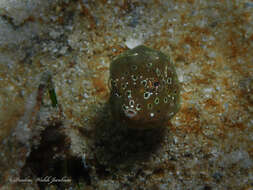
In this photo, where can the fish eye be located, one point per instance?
(156, 100)
(144, 82)
(134, 67)
(156, 84)
(134, 77)
(165, 100)
(113, 82)
(138, 107)
(124, 85)
(150, 106)
(117, 94)
(124, 107)
(149, 64)
(169, 80)
(128, 93)
(131, 103)
(146, 95)
(158, 72)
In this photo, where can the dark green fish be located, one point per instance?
(144, 88)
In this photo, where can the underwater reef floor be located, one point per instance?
(55, 122)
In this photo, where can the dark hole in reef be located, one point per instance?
(119, 147)
(51, 159)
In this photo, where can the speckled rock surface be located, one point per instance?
(208, 144)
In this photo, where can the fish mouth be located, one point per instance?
(134, 117)
(130, 113)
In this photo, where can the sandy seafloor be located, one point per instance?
(208, 145)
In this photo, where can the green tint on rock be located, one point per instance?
(144, 88)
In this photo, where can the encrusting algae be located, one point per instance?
(144, 88)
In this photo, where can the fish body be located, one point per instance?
(144, 88)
